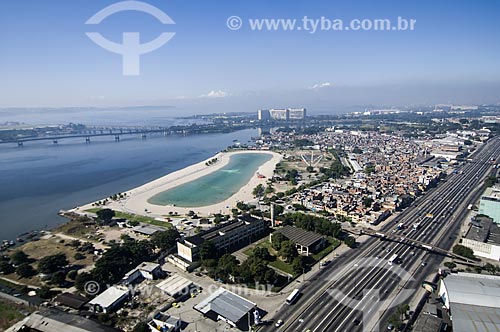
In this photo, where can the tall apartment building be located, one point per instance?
(296, 113)
(263, 115)
(282, 114)
(227, 236)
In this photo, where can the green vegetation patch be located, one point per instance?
(136, 218)
(10, 313)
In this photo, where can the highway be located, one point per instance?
(363, 279)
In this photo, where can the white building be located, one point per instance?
(175, 286)
(279, 114)
(110, 300)
(263, 115)
(296, 113)
(162, 322)
(144, 270)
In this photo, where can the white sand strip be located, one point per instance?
(136, 200)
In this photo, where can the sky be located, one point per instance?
(451, 56)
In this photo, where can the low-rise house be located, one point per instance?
(110, 300)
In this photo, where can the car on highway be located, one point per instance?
(278, 323)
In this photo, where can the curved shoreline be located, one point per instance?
(136, 200)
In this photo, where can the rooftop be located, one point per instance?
(174, 284)
(483, 229)
(300, 236)
(110, 296)
(474, 302)
(492, 193)
(215, 232)
(148, 229)
(53, 320)
(74, 301)
(226, 304)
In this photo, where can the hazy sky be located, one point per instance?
(452, 55)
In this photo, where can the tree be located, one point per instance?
(350, 241)
(44, 292)
(58, 278)
(276, 240)
(309, 169)
(227, 265)
(357, 150)
(72, 274)
(105, 215)
(288, 251)
(208, 250)
(258, 191)
(490, 268)
(367, 202)
(81, 279)
(165, 240)
(141, 327)
(79, 256)
(464, 251)
(19, 257)
(51, 264)
(450, 265)
(6, 268)
(369, 169)
(261, 253)
(270, 276)
(298, 265)
(25, 270)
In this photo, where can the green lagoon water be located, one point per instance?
(215, 187)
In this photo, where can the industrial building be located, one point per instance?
(54, 320)
(483, 237)
(110, 300)
(175, 286)
(472, 301)
(224, 237)
(490, 204)
(226, 306)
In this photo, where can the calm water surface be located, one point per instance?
(40, 179)
(217, 186)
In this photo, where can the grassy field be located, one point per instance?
(277, 263)
(76, 229)
(136, 217)
(333, 243)
(286, 267)
(46, 247)
(10, 313)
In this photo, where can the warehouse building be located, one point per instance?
(472, 301)
(226, 306)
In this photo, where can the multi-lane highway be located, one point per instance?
(357, 289)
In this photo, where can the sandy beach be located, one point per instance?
(136, 200)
